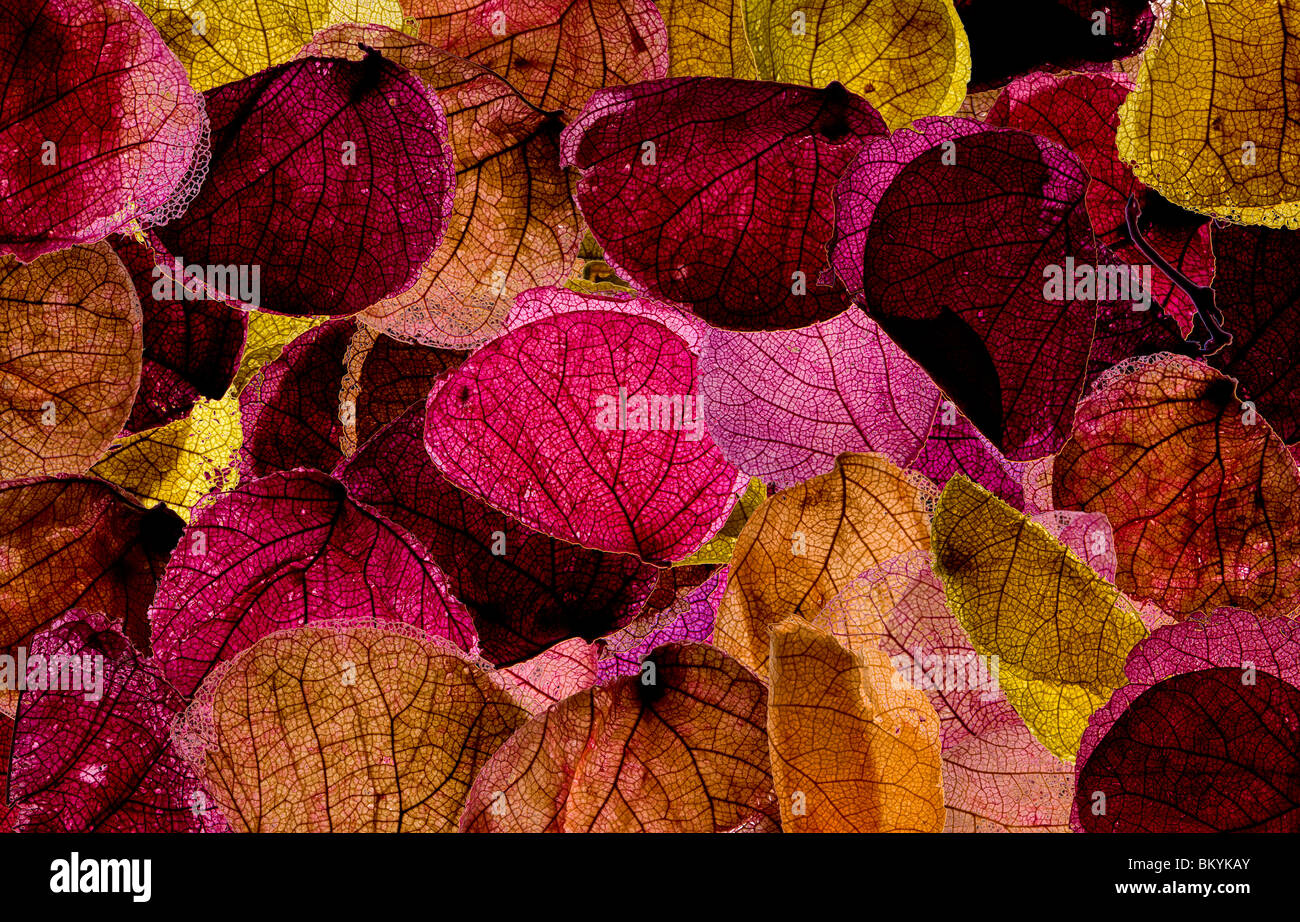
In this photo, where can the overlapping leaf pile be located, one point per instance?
(742, 415)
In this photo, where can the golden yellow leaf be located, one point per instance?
(854, 747)
(221, 41)
(338, 727)
(804, 544)
(908, 58)
(706, 38)
(1211, 125)
(1061, 633)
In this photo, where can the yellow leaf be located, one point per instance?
(221, 41)
(706, 38)
(806, 543)
(1060, 632)
(854, 747)
(338, 727)
(908, 58)
(1211, 125)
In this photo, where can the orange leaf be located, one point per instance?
(854, 747)
(347, 727)
(682, 747)
(804, 544)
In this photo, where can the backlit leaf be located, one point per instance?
(1203, 497)
(1208, 125)
(99, 127)
(908, 58)
(1061, 633)
(706, 38)
(806, 543)
(854, 749)
(71, 350)
(681, 747)
(716, 193)
(347, 728)
(285, 550)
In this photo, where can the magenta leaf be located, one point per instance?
(716, 193)
(526, 590)
(952, 234)
(99, 126)
(286, 550)
(689, 619)
(586, 426)
(290, 409)
(540, 303)
(782, 405)
(94, 753)
(191, 347)
(330, 185)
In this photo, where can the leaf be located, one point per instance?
(347, 728)
(955, 446)
(1207, 125)
(542, 303)
(951, 232)
(290, 413)
(289, 549)
(706, 38)
(1199, 752)
(687, 619)
(531, 425)
(394, 377)
(96, 754)
(1060, 631)
(804, 545)
(77, 542)
(70, 359)
(98, 126)
(685, 753)
(728, 213)
(1081, 112)
(908, 58)
(525, 589)
(212, 37)
(1260, 301)
(552, 675)
(853, 748)
(1205, 506)
(514, 224)
(783, 405)
(555, 52)
(996, 776)
(1065, 34)
(191, 348)
(1229, 641)
(330, 185)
